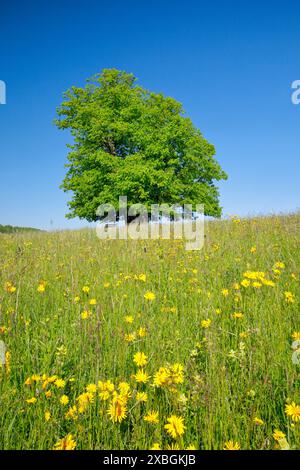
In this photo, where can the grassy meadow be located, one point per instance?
(144, 345)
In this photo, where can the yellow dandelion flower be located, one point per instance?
(105, 389)
(296, 335)
(156, 446)
(117, 410)
(84, 400)
(230, 445)
(142, 332)
(258, 421)
(151, 417)
(36, 378)
(141, 376)
(289, 297)
(254, 275)
(31, 401)
(279, 265)
(85, 314)
(72, 413)
(52, 378)
(41, 288)
(238, 315)
(124, 389)
(149, 296)
(10, 288)
(244, 334)
(140, 359)
(130, 337)
(293, 411)
(173, 446)
(66, 443)
(169, 376)
(175, 426)
(91, 388)
(47, 415)
(60, 383)
(129, 319)
(64, 399)
(206, 323)
(268, 282)
(256, 284)
(278, 435)
(142, 397)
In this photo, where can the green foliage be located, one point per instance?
(12, 229)
(135, 143)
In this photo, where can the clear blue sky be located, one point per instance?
(231, 64)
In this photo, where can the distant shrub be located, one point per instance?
(12, 229)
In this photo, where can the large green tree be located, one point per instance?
(135, 143)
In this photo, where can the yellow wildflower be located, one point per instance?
(175, 426)
(142, 332)
(31, 401)
(106, 388)
(64, 400)
(156, 446)
(258, 421)
(149, 296)
(230, 445)
(141, 376)
(151, 417)
(278, 435)
(142, 397)
(66, 443)
(140, 359)
(91, 388)
(289, 297)
(206, 323)
(129, 319)
(60, 383)
(293, 411)
(117, 410)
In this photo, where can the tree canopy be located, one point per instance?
(131, 142)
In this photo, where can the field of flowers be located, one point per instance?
(144, 345)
